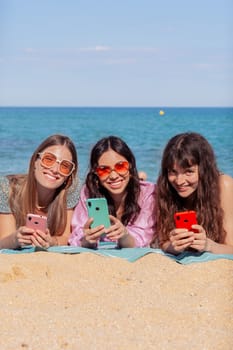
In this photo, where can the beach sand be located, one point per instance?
(85, 301)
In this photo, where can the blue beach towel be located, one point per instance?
(129, 254)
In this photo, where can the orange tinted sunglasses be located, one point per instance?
(48, 159)
(120, 168)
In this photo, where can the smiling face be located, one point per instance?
(51, 178)
(184, 181)
(115, 183)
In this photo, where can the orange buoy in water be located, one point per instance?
(161, 112)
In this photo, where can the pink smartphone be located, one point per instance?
(185, 219)
(37, 222)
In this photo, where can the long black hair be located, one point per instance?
(185, 150)
(95, 189)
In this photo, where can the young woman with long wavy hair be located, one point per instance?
(50, 188)
(190, 180)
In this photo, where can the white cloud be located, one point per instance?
(97, 48)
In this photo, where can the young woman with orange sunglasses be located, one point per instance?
(114, 176)
(50, 189)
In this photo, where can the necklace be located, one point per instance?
(42, 208)
(39, 207)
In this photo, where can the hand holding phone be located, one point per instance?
(185, 219)
(98, 209)
(36, 222)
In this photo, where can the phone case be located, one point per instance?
(98, 209)
(185, 219)
(37, 222)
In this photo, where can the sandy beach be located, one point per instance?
(85, 301)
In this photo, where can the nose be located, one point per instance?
(180, 179)
(55, 167)
(113, 173)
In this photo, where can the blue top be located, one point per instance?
(72, 195)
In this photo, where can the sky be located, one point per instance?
(116, 53)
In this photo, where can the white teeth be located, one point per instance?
(115, 184)
(51, 176)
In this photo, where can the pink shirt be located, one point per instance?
(143, 227)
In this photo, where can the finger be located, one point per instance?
(41, 234)
(182, 242)
(88, 223)
(116, 234)
(39, 241)
(199, 245)
(92, 237)
(183, 235)
(113, 219)
(35, 242)
(24, 241)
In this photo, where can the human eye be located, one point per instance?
(103, 170)
(49, 158)
(66, 164)
(171, 172)
(190, 171)
(122, 165)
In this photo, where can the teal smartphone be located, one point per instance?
(98, 210)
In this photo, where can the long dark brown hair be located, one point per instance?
(186, 150)
(23, 189)
(95, 189)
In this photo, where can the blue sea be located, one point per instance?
(144, 129)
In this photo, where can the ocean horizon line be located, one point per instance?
(115, 107)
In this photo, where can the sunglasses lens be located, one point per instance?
(121, 167)
(103, 171)
(48, 159)
(66, 167)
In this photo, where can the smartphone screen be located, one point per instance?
(37, 222)
(185, 219)
(98, 209)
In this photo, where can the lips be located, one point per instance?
(115, 184)
(52, 177)
(181, 189)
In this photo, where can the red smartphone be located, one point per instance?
(37, 222)
(185, 219)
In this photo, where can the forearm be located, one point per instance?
(218, 248)
(9, 242)
(211, 247)
(127, 241)
(168, 248)
(87, 244)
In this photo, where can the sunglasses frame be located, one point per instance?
(112, 169)
(40, 154)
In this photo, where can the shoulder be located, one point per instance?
(73, 193)
(84, 193)
(226, 190)
(4, 182)
(147, 191)
(226, 182)
(147, 187)
(4, 194)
